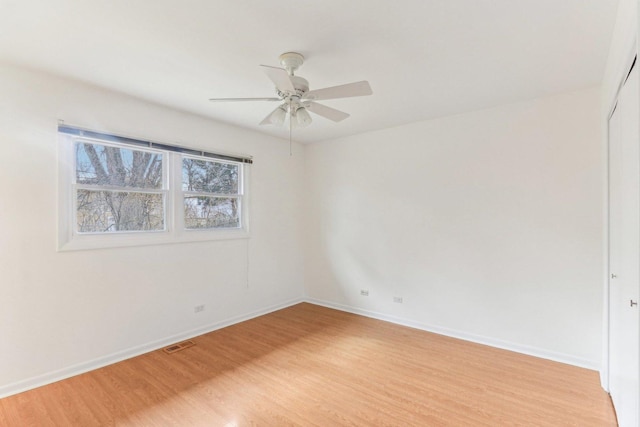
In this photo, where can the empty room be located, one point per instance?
(271, 213)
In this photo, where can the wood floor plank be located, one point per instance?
(312, 366)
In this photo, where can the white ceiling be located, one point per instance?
(423, 58)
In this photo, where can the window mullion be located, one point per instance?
(174, 181)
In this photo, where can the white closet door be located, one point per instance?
(624, 253)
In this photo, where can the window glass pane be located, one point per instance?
(122, 167)
(211, 212)
(113, 211)
(209, 177)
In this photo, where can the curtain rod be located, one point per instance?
(72, 130)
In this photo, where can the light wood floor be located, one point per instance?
(308, 365)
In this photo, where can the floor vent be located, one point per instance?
(180, 346)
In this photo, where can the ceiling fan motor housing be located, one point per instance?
(301, 85)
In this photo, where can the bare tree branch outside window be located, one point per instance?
(121, 189)
(212, 194)
(118, 207)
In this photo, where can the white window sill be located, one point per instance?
(92, 241)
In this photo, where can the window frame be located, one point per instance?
(164, 190)
(175, 231)
(239, 196)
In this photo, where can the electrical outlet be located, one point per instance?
(397, 299)
(364, 292)
(198, 308)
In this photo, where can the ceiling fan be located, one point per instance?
(296, 100)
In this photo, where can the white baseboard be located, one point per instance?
(50, 377)
(493, 342)
(80, 368)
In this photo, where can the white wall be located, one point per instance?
(71, 311)
(488, 224)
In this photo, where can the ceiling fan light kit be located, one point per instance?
(278, 116)
(295, 97)
(302, 117)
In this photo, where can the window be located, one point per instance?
(211, 192)
(117, 191)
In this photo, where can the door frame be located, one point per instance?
(624, 73)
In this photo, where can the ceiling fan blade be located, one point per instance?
(242, 99)
(276, 117)
(343, 91)
(327, 112)
(280, 78)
